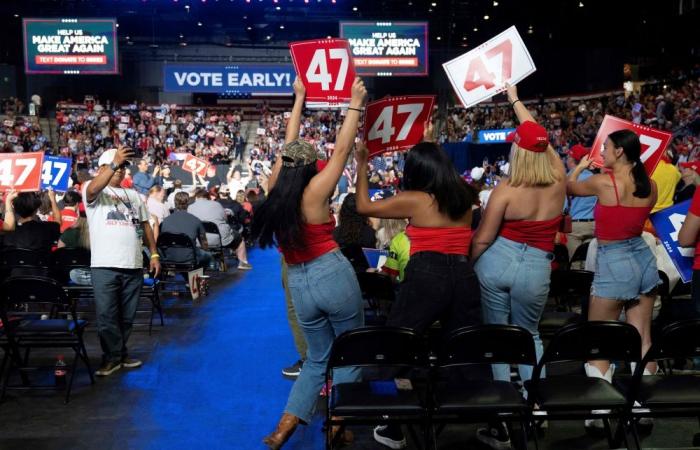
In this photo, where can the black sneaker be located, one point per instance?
(108, 368)
(131, 363)
(294, 370)
(495, 437)
(390, 435)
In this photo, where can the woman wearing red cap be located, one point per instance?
(514, 242)
(626, 274)
(689, 180)
(324, 289)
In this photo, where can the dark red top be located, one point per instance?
(318, 240)
(446, 240)
(695, 209)
(619, 222)
(535, 233)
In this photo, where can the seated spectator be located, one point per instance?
(399, 254)
(182, 222)
(353, 228)
(70, 213)
(128, 181)
(31, 233)
(247, 206)
(388, 229)
(177, 187)
(78, 236)
(49, 210)
(234, 210)
(208, 210)
(155, 204)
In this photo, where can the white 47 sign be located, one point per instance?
(483, 72)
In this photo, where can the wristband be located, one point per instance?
(155, 256)
(516, 101)
(360, 110)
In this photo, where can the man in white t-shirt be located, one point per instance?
(118, 223)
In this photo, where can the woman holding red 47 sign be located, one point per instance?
(325, 293)
(439, 282)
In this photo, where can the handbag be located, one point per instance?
(566, 226)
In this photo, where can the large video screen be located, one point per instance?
(254, 79)
(388, 48)
(70, 46)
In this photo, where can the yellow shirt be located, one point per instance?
(666, 176)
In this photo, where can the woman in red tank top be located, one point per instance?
(626, 274)
(322, 283)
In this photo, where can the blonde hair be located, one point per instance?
(391, 228)
(530, 169)
(84, 232)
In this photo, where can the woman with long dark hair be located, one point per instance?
(325, 293)
(626, 275)
(439, 282)
(353, 229)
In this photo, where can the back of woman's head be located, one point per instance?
(531, 169)
(628, 141)
(279, 219)
(350, 221)
(428, 169)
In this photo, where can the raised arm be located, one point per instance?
(55, 211)
(9, 223)
(102, 179)
(292, 130)
(323, 184)
(688, 235)
(586, 188)
(518, 106)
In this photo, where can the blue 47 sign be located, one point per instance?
(668, 223)
(55, 173)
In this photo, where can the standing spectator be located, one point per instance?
(155, 204)
(208, 210)
(70, 211)
(118, 223)
(689, 180)
(238, 146)
(143, 181)
(580, 208)
(235, 181)
(689, 236)
(666, 176)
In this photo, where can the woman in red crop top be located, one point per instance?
(514, 242)
(322, 283)
(439, 281)
(626, 275)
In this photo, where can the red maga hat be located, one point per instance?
(530, 136)
(695, 165)
(578, 151)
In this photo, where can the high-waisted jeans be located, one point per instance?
(514, 280)
(328, 302)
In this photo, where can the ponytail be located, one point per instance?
(628, 141)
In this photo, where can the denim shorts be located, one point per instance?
(625, 270)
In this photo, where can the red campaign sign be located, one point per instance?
(654, 142)
(396, 123)
(326, 68)
(196, 165)
(20, 171)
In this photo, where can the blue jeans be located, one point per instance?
(514, 279)
(117, 293)
(328, 302)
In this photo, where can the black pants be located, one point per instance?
(693, 311)
(437, 287)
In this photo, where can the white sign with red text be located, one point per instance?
(196, 165)
(654, 142)
(20, 171)
(326, 68)
(396, 123)
(483, 72)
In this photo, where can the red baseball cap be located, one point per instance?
(578, 151)
(695, 165)
(530, 136)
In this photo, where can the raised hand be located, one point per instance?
(299, 89)
(359, 92)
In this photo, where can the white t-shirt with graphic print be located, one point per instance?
(115, 240)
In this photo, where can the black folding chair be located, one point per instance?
(217, 251)
(150, 291)
(561, 256)
(356, 256)
(569, 288)
(580, 254)
(28, 333)
(66, 259)
(184, 263)
(668, 394)
(22, 261)
(376, 401)
(378, 290)
(566, 397)
(483, 399)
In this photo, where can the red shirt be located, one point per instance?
(318, 240)
(68, 218)
(445, 240)
(695, 209)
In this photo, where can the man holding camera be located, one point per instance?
(118, 223)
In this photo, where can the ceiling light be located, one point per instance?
(278, 8)
(495, 3)
(16, 15)
(433, 4)
(116, 25)
(127, 38)
(580, 4)
(281, 27)
(464, 38)
(486, 17)
(439, 38)
(182, 35)
(249, 28)
(430, 9)
(187, 7)
(354, 8)
(329, 37)
(476, 29)
(199, 24)
(530, 31)
(268, 37)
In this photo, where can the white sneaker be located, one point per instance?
(495, 437)
(392, 436)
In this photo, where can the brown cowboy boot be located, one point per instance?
(285, 428)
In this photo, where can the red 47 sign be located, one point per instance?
(325, 67)
(483, 72)
(193, 164)
(20, 171)
(396, 123)
(654, 142)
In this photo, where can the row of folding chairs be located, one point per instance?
(434, 401)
